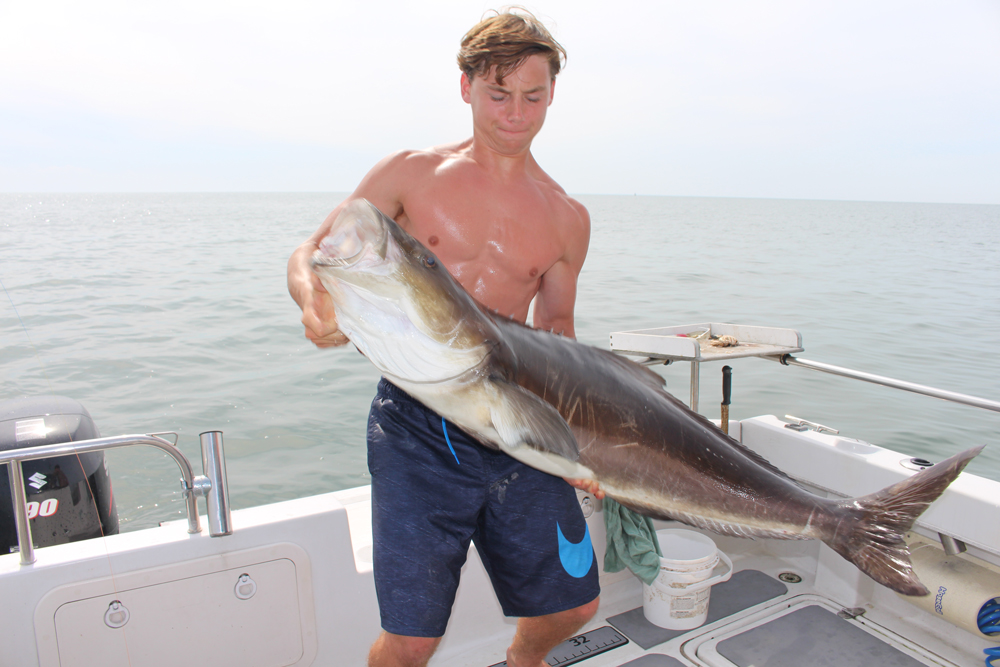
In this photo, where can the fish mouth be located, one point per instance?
(356, 234)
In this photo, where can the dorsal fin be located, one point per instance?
(640, 373)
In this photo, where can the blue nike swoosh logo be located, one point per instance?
(576, 558)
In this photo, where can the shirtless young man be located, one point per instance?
(508, 233)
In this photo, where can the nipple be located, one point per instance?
(433, 240)
(533, 272)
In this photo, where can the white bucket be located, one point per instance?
(678, 598)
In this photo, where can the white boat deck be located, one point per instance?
(919, 638)
(314, 601)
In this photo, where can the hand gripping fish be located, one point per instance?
(575, 411)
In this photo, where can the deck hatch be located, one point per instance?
(203, 607)
(811, 636)
(176, 618)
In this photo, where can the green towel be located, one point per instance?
(632, 542)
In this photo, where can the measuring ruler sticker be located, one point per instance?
(581, 647)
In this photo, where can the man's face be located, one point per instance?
(508, 116)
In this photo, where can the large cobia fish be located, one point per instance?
(576, 411)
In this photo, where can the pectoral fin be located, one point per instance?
(533, 432)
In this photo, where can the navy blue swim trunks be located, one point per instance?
(434, 489)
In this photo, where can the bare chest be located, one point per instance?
(498, 247)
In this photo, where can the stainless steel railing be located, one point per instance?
(954, 397)
(213, 485)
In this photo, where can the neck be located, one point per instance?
(498, 162)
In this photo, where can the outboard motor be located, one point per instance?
(69, 497)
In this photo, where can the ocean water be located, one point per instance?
(169, 312)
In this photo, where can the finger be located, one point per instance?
(335, 338)
(317, 327)
(590, 486)
(319, 316)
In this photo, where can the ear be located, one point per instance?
(466, 86)
(552, 91)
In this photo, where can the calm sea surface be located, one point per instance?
(169, 312)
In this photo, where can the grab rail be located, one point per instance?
(954, 397)
(192, 486)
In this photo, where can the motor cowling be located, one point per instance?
(69, 497)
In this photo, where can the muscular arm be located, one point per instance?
(556, 298)
(318, 314)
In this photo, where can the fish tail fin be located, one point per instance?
(876, 524)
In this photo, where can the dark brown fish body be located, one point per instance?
(659, 457)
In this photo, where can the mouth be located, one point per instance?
(354, 235)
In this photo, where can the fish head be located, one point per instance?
(396, 301)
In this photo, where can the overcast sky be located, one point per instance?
(861, 100)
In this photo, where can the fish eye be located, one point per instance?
(430, 261)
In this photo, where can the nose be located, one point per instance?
(515, 112)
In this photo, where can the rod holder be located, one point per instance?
(16, 475)
(213, 460)
(695, 384)
(951, 545)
